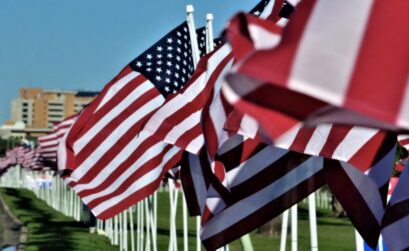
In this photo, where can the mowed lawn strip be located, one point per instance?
(49, 230)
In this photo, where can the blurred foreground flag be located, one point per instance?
(112, 164)
(395, 223)
(350, 70)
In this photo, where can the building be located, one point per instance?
(38, 108)
(20, 132)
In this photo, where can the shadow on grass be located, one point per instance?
(324, 218)
(47, 229)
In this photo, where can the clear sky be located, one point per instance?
(82, 44)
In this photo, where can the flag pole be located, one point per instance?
(192, 33)
(313, 222)
(284, 230)
(209, 32)
(196, 56)
(294, 218)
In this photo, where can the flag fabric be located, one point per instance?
(34, 161)
(396, 220)
(209, 184)
(48, 144)
(179, 120)
(354, 71)
(111, 164)
(404, 141)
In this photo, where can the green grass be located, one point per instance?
(48, 229)
(334, 234)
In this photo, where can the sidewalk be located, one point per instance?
(9, 229)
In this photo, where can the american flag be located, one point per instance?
(179, 120)
(404, 141)
(396, 220)
(112, 163)
(354, 71)
(48, 144)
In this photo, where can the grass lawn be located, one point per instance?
(334, 234)
(48, 229)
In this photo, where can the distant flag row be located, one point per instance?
(295, 97)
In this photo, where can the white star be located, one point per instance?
(178, 41)
(159, 69)
(178, 49)
(168, 63)
(177, 58)
(148, 69)
(149, 56)
(177, 67)
(138, 63)
(185, 37)
(174, 91)
(257, 13)
(184, 29)
(184, 62)
(176, 75)
(175, 84)
(159, 48)
(159, 56)
(148, 63)
(178, 33)
(169, 40)
(158, 78)
(185, 45)
(167, 80)
(184, 71)
(168, 72)
(183, 79)
(185, 54)
(159, 62)
(167, 88)
(170, 48)
(170, 55)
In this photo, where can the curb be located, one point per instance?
(23, 230)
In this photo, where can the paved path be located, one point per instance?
(9, 230)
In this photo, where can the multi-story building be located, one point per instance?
(39, 108)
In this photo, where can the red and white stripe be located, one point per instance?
(48, 144)
(325, 58)
(195, 116)
(404, 141)
(112, 163)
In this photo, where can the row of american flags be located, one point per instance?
(296, 95)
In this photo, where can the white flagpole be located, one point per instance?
(185, 226)
(313, 222)
(125, 232)
(284, 230)
(294, 231)
(209, 33)
(359, 242)
(132, 229)
(192, 33)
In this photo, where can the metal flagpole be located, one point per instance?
(284, 230)
(132, 229)
(313, 222)
(359, 242)
(209, 33)
(196, 56)
(192, 33)
(185, 226)
(294, 217)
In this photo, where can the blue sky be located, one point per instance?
(82, 44)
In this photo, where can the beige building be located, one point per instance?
(38, 108)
